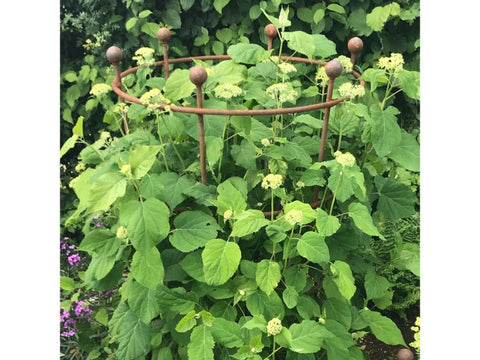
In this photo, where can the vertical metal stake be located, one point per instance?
(164, 35)
(114, 55)
(270, 31)
(198, 76)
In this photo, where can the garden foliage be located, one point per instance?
(155, 263)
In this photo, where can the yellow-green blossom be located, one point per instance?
(272, 181)
(321, 77)
(346, 63)
(417, 321)
(281, 93)
(227, 214)
(101, 89)
(227, 91)
(72, 183)
(346, 159)
(392, 64)
(265, 142)
(144, 56)
(293, 217)
(300, 184)
(105, 135)
(274, 326)
(321, 320)
(350, 91)
(122, 232)
(80, 167)
(153, 98)
(287, 68)
(121, 108)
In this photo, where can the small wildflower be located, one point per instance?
(321, 77)
(153, 99)
(101, 89)
(121, 108)
(272, 181)
(346, 159)
(321, 320)
(287, 68)
(346, 63)
(241, 292)
(227, 91)
(392, 64)
(265, 142)
(293, 217)
(105, 135)
(253, 350)
(80, 167)
(300, 184)
(227, 214)
(144, 56)
(99, 225)
(274, 326)
(122, 232)
(281, 93)
(350, 91)
(74, 259)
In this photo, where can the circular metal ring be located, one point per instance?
(203, 111)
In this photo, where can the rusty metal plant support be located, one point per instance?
(198, 76)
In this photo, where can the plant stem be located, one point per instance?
(271, 206)
(163, 145)
(286, 250)
(221, 155)
(335, 192)
(273, 352)
(173, 143)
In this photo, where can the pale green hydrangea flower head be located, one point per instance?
(294, 217)
(287, 68)
(350, 91)
(144, 56)
(153, 98)
(274, 326)
(392, 64)
(227, 91)
(346, 63)
(321, 77)
(101, 89)
(272, 181)
(345, 159)
(282, 93)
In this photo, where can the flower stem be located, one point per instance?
(271, 206)
(335, 193)
(287, 249)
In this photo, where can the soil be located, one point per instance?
(377, 350)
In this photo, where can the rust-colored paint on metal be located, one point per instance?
(164, 35)
(355, 45)
(270, 31)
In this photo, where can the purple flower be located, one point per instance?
(99, 224)
(71, 247)
(95, 218)
(68, 333)
(74, 259)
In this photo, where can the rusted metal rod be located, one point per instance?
(164, 35)
(270, 31)
(355, 45)
(198, 76)
(115, 55)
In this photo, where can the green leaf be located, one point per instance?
(102, 316)
(323, 46)
(173, 188)
(143, 14)
(326, 224)
(308, 214)
(290, 297)
(187, 322)
(336, 8)
(338, 309)
(408, 259)
(268, 275)
(249, 222)
(172, 18)
(131, 23)
(312, 247)
(105, 190)
(375, 76)
(248, 53)
(386, 134)
(362, 219)
(318, 15)
(192, 230)
(143, 302)
(220, 4)
(201, 344)
(147, 222)
(308, 336)
(260, 303)
(407, 152)
(151, 186)
(309, 120)
(396, 200)
(244, 155)
(147, 268)
(228, 71)
(70, 76)
(256, 322)
(296, 277)
(187, 4)
(375, 286)
(68, 144)
(227, 333)
(100, 241)
(100, 266)
(224, 35)
(305, 14)
(150, 28)
(307, 307)
(301, 42)
(78, 128)
(192, 264)
(72, 94)
(378, 17)
(220, 261)
(230, 198)
(343, 278)
(176, 299)
(178, 85)
(133, 337)
(142, 159)
(67, 283)
(410, 83)
(383, 328)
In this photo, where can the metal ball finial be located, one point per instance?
(114, 54)
(270, 30)
(355, 45)
(163, 34)
(333, 69)
(405, 354)
(198, 75)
